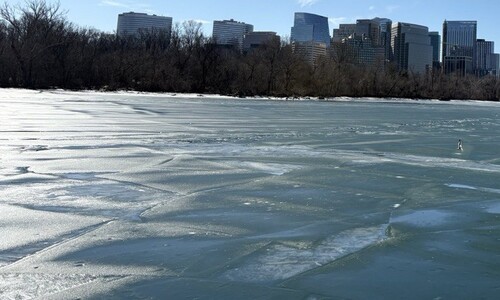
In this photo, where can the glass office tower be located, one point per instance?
(459, 38)
(310, 28)
(436, 48)
(412, 47)
(459, 46)
(485, 57)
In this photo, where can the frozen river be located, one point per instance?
(150, 196)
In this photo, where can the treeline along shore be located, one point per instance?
(41, 49)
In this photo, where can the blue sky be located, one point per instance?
(277, 15)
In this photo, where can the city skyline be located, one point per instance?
(278, 15)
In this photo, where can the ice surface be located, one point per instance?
(131, 195)
(424, 218)
(31, 286)
(283, 261)
(494, 208)
(94, 196)
(25, 231)
(480, 188)
(461, 186)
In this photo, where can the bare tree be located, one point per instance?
(3, 35)
(32, 31)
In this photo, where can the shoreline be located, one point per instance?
(257, 98)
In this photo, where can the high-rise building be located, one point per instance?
(459, 46)
(133, 23)
(360, 50)
(231, 33)
(310, 28)
(412, 47)
(256, 39)
(459, 65)
(385, 26)
(436, 48)
(495, 64)
(485, 57)
(311, 51)
(344, 31)
(369, 29)
(363, 40)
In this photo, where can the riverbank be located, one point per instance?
(233, 97)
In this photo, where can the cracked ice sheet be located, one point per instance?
(25, 231)
(128, 248)
(80, 156)
(29, 286)
(117, 254)
(281, 261)
(43, 274)
(85, 195)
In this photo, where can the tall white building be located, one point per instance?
(231, 33)
(132, 23)
(412, 47)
